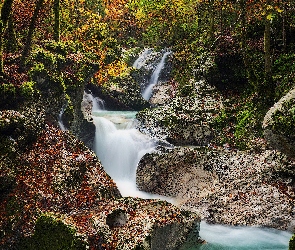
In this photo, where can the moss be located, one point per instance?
(7, 93)
(292, 243)
(284, 119)
(52, 234)
(27, 89)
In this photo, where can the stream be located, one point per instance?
(120, 146)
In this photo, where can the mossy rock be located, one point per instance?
(292, 243)
(52, 234)
(279, 124)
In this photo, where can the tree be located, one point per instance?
(5, 15)
(56, 9)
(267, 40)
(28, 44)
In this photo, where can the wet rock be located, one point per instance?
(225, 187)
(117, 218)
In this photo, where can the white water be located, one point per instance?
(60, 121)
(147, 93)
(120, 146)
(140, 61)
(242, 238)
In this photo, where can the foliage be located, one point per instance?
(284, 74)
(28, 89)
(292, 242)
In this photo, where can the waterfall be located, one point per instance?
(140, 61)
(155, 76)
(120, 146)
(60, 121)
(96, 103)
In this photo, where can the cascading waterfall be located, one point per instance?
(60, 121)
(147, 93)
(140, 61)
(120, 146)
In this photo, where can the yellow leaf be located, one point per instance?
(269, 17)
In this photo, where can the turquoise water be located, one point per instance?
(125, 114)
(220, 237)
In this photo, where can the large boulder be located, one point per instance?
(279, 124)
(226, 187)
(57, 192)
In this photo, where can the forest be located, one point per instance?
(50, 50)
(251, 44)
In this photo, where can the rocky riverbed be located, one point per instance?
(224, 187)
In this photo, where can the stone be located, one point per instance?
(279, 126)
(224, 186)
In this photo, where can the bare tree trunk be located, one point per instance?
(5, 14)
(211, 21)
(32, 27)
(12, 44)
(56, 9)
(284, 29)
(267, 44)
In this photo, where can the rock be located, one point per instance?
(223, 186)
(57, 189)
(279, 126)
(184, 120)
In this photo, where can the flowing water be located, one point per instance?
(141, 60)
(120, 146)
(242, 238)
(60, 120)
(147, 93)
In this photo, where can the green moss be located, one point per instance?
(27, 89)
(52, 234)
(284, 119)
(45, 57)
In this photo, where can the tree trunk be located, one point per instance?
(267, 49)
(5, 14)
(32, 26)
(56, 9)
(211, 21)
(284, 35)
(243, 37)
(12, 44)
